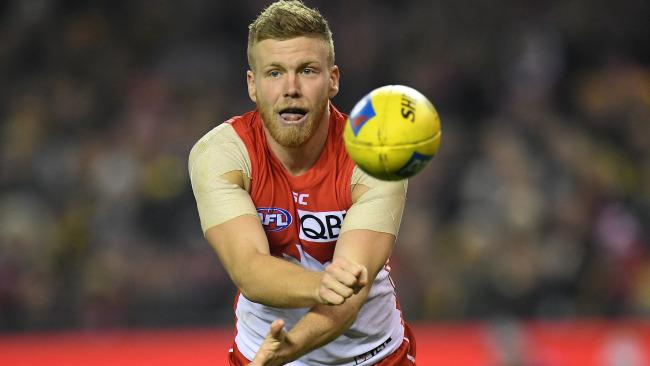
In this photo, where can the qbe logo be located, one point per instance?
(320, 226)
(274, 218)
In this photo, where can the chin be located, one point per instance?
(292, 138)
(292, 135)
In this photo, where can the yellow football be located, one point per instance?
(392, 132)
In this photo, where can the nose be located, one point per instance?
(292, 86)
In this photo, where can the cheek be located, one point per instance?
(328, 92)
(266, 94)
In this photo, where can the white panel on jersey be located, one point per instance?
(320, 227)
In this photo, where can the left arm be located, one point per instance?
(366, 242)
(323, 323)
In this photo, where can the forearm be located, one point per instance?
(323, 324)
(243, 249)
(340, 281)
(278, 283)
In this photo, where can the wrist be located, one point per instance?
(316, 290)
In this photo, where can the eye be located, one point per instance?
(308, 71)
(274, 73)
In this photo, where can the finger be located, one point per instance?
(363, 277)
(345, 271)
(330, 297)
(360, 272)
(336, 286)
(257, 361)
(277, 330)
(346, 264)
(343, 276)
(268, 348)
(337, 279)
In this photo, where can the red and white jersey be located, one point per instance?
(303, 217)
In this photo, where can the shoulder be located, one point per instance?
(228, 132)
(361, 182)
(220, 150)
(223, 134)
(378, 205)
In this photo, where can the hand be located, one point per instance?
(275, 349)
(341, 279)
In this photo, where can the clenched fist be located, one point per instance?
(341, 279)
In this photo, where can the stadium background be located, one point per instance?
(526, 241)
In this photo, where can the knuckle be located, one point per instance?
(326, 280)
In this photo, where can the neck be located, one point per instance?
(297, 160)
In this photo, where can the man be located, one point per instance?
(303, 233)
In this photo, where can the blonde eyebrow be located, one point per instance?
(302, 65)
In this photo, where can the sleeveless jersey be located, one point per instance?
(302, 217)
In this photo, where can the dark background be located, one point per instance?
(537, 206)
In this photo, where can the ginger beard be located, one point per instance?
(292, 135)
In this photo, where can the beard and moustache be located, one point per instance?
(292, 136)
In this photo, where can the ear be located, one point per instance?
(335, 74)
(250, 82)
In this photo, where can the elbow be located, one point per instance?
(245, 278)
(245, 287)
(249, 293)
(251, 287)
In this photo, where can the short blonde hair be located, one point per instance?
(286, 19)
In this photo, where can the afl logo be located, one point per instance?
(273, 218)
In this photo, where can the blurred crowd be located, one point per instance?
(537, 205)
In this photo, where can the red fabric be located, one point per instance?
(401, 355)
(235, 358)
(325, 187)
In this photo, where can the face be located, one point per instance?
(291, 83)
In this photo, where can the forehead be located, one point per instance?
(290, 52)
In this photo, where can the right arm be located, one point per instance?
(241, 246)
(231, 226)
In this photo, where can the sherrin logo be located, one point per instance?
(274, 218)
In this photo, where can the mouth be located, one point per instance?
(293, 115)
